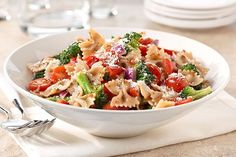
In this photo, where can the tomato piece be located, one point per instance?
(176, 83)
(133, 92)
(40, 84)
(169, 52)
(155, 71)
(59, 73)
(145, 41)
(143, 49)
(187, 100)
(109, 107)
(168, 66)
(90, 60)
(108, 93)
(62, 101)
(114, 71)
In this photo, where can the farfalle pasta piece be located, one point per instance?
(123, 99)
(183, 57)
(163, 104)
(85, 101)
(79, 66)
(92, 44)
(75, 89)
(131, 58)
(203, 71)
(56, 88)
(40, 65)
(155, 55)
(49, 68)
(114, 86)
(96, 73)
(151, 96)
(193, 78)
(70, 69)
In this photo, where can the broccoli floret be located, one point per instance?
(39, 74)
(106, 77)
(131, 41)
(101, 98)
(195, 94)
(143, 73)
(72, 51)
(190, 66)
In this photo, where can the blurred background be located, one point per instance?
(42, 17)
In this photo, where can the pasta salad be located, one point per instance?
(127, 72)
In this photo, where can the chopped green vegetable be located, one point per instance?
(72, 51)
(195, 94)
(131, 41)
(84, 83)
(190, 66)
(143, 73)
(106, 77)
(54, 98)
(101, 99)
(39, 74)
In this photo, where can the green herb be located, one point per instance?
(190, 66)
(72, 51)
(143, 73)
(131, 41)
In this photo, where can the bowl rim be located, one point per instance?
(43, 100)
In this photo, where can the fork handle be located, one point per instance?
(17, 104)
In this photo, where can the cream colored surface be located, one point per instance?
(131, 15)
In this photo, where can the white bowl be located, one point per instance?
(111, 123)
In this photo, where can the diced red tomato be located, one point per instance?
(169, 52)
(108, 93)
(59, 73)
(168, 66)
(133, 92)
(114, 71)
(176, 83)
(145, 41)
(40, 84)
(91, 60)
(155, 71)
(143, 49)
(62, 101)
(184, 101)
(109, 107)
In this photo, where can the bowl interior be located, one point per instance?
(18, 75)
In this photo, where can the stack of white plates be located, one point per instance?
(194, 14)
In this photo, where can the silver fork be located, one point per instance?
(23, 126)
